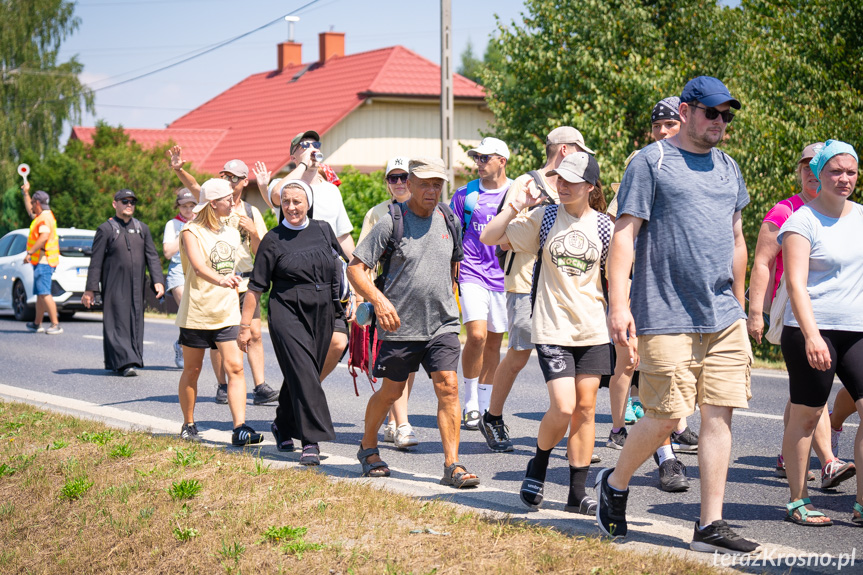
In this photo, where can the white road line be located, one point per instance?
(99, 337)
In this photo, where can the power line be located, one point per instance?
(211, 49)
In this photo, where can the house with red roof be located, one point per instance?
(367, 107)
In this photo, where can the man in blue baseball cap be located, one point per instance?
(686, 305)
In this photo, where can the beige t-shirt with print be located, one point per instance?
(569, 308)
(245, 261)
(205, 305)
(521, 272)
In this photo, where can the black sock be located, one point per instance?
(577, 480)
(489, 418)
(539, 464)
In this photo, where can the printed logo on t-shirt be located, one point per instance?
(573, 253)
(222, 258)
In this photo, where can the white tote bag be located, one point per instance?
(777, 314)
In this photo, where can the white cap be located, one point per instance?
(397, 163)
(212, 189)
(490, 146)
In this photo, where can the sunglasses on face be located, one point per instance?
(713, 113)
(129, 202)
(305, 145)
(231, 178)
(483, 159)
(396, 178)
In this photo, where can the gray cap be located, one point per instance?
(237, 167)
(577, 167)
(567, 135)
(42, 197)
(184, 196)
(428, 168)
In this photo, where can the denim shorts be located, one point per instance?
(42, 279)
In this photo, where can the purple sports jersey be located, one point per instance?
(480, 265)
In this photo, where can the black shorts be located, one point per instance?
(207, 338)
(398, 359)
(242, 301)
(558, 361)
(811, 387)
(340, 325)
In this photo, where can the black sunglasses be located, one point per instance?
(396, 178)
(129, 202)
(713, 113)
(483, 159)
(231, 178)
(305, 145)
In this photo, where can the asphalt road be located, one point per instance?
(68, 369)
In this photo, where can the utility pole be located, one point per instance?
(446, 95)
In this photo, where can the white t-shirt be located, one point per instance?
(329, 207)
(172, 232)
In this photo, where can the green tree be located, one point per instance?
(38, 94)
(360, 193)
(471, 66)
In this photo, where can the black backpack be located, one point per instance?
(501, 254)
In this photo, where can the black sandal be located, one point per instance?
(586, 507)
(284, 445)
(457, 479)
(376, 469)
(311, 454)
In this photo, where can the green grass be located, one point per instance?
(74, 488)
(185, 489)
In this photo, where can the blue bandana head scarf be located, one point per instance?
(830, 149)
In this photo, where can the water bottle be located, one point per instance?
(317, 157)
(365, 313)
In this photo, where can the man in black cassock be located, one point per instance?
(122, 249)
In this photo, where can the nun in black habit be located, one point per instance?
(297, 259)
(122, 250)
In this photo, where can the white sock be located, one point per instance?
(665, 452)
(484, 392)
(471, 394)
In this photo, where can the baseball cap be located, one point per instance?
(577, 167)
(237, 167)
(213, 189)
(42, 197)
(184, 196)
(709, 91)
(397, 163)
(125, 193)
(807, 154)
(490, 146)
(428, 168)
(302, 136)
(567, 135)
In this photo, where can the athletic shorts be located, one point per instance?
(680, 370)
(42, 279)
(340, 325)
(242, 296)
(558, 361)
(481, 304)
(518, 321)
(207, 338)
(398, 359)
(175, 277)
(811, 387)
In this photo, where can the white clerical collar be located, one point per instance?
(302, 226)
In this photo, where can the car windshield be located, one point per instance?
(76, 246)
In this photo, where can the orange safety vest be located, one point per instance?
(51, 250)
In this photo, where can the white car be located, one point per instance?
(67, 283)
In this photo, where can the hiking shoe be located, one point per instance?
(35, 327)
(637, 409)
(617, 440)
(835, 472)
(53, 329)
(672, 475)
(629, 417)
(189, 432)
(531, 492)
(835, 434)
(390, 432)
(222, 393)
(178, 354)
(718, 537)
(496, 435)
(311, 454)
(130, 371)
(685, 442)
(405, 436)
(286, 445)
(264, 394)
(245, 435)
(611, 506)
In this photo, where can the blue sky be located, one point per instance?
(119, 39)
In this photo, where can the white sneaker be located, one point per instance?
(405, 436)
(390, 432)
(178, 354)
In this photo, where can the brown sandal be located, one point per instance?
(458, 479)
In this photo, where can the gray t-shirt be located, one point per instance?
(419, 282)
(835, 266)
(685, 248)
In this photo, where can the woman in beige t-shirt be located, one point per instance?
(209, 315)
(568, 323)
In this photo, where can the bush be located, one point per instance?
(361, 192)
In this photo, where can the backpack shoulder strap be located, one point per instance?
(396, 236)
(454, 230)
(661, 155)
(248, 208)
(548, 219)
(470, 201)
(540, 184)
(603, 227)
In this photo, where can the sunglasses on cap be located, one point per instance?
(231, 178)
(713, 113)
(396, 178)
(305, 145)
(483, 159)
(128, 201)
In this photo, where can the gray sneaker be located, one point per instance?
(617, 440)
(34, 327)
(54, 329)
(222, 393)
(189, 432)
(264, 394)
(684, 442)
(496, 435)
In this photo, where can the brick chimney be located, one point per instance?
(330, 44)
(290, 54)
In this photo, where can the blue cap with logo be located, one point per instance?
(709, 91)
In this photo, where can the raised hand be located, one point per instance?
(175, 157)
